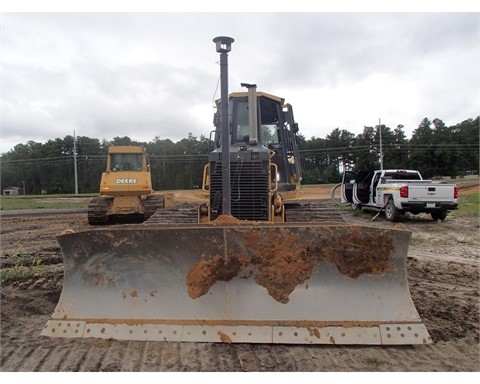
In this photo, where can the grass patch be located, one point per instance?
(34, 274)
(417, 240)
(469, 205)
(18, 254)
(373, 362)
(20, 272)
(44, 202)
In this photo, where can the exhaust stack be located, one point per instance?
(252, 112)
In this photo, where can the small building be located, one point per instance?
(11, 191)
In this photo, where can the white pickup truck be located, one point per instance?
(397, 191)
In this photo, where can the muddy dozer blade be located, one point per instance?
(256, 283)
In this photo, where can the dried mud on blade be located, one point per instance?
(256, 283)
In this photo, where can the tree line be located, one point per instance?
(434, 149)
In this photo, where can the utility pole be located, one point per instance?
(381, 150)
(75, 162)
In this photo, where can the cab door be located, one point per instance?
(361, 190)
(348, 181)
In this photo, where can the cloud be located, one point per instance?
(144, 75)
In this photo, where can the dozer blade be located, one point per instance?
(255, 283)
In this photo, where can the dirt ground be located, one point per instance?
(443, 274)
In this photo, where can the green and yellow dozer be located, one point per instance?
(126, 191)
(256, 267)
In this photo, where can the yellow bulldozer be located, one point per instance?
(126, 193)
(263, 159)
(248, 271)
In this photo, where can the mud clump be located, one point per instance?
(205, 273)
(229, 219)
(356, 252)
(280, 259)
(224, 338)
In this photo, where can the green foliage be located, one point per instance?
(434, 149)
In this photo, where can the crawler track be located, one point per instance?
(296, 212)
(97, 211)
(182, 213)
(313, 211)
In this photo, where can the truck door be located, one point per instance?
(376, 197)
(361, 191)
(348, 180)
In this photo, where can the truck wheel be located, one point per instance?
(391, 212)
(439, 215)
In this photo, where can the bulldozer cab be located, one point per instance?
(127, 173)
(263, 154)
(122, 159)
(269, 119)
(273, 128)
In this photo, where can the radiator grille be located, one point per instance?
(249, 190)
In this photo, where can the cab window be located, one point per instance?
(126, 162)
(268, 122)
(241, 128)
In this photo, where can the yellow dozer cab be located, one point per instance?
(126, 193)
(245, 273)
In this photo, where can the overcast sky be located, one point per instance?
(152, 74)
